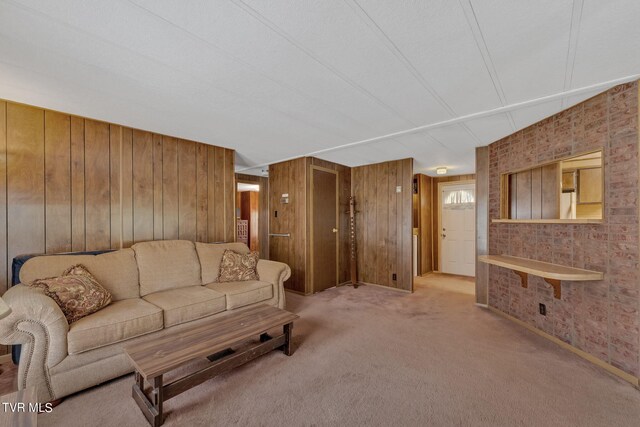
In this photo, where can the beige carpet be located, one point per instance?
(379, 357)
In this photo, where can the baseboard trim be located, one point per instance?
(635, 381)
(296, 292)
(5, 358)
(482, 305)
(385, 287)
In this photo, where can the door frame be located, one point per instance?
(263, 208)
(440, 209)
(311, 225)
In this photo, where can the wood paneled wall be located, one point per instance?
(263, 210)
(482, 224)
(535, 193)
(69, 183)
(384, 222)
(289, 178)
(293, 178)
(436, 212)
(422, 220)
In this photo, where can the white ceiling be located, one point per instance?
(352, 81)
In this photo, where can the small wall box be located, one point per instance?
(284, 199)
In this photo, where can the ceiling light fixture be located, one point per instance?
(441, 171)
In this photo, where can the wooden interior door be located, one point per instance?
(324, 228)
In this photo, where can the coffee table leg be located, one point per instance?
(158, 397)
(139, 381)
(151, 407)
(286, 348)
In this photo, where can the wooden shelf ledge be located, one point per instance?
(547, 221)
(552, 273)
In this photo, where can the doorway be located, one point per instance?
(248, 215)
(457, 227)
(324, 228)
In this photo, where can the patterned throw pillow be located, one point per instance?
(77, 292)
(236, 267)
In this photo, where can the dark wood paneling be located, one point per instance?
(127, 187)
(423, 211)
(394, 214)
(523, 195)
(158, 220)
(142, 186)
(344, 254)
(202, 169)
(218, 185)
(25, 180)
(536, 193)
(170, 195)
(97, 185)
(289, 178)
(78, 242)
(57, 153)
(385, 215)
(407, 225)
(357, 186)
(187, 190)
(229, 196)
(69, 183)
(115, 152)
(551, 191)
(297, 224)
(383, 276)
(482, 223)
(368, 271)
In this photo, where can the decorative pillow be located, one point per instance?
(236, 267)
(77, 292)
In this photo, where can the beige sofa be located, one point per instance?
(156, 287)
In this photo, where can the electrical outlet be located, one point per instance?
(394, 276)
(543, 309)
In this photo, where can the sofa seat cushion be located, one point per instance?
(117, 322)
(243, 293)
(185, 304)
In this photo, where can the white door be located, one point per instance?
(458, 229)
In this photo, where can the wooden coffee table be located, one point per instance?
(214, 338)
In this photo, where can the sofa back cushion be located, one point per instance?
(116, 271)
(210, 255)
(167, 264)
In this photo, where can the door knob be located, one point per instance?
(335, 230)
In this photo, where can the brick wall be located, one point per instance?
(598, 317)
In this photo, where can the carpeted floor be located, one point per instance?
(379, 357)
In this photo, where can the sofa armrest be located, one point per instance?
(276, 273)
(39, 325)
